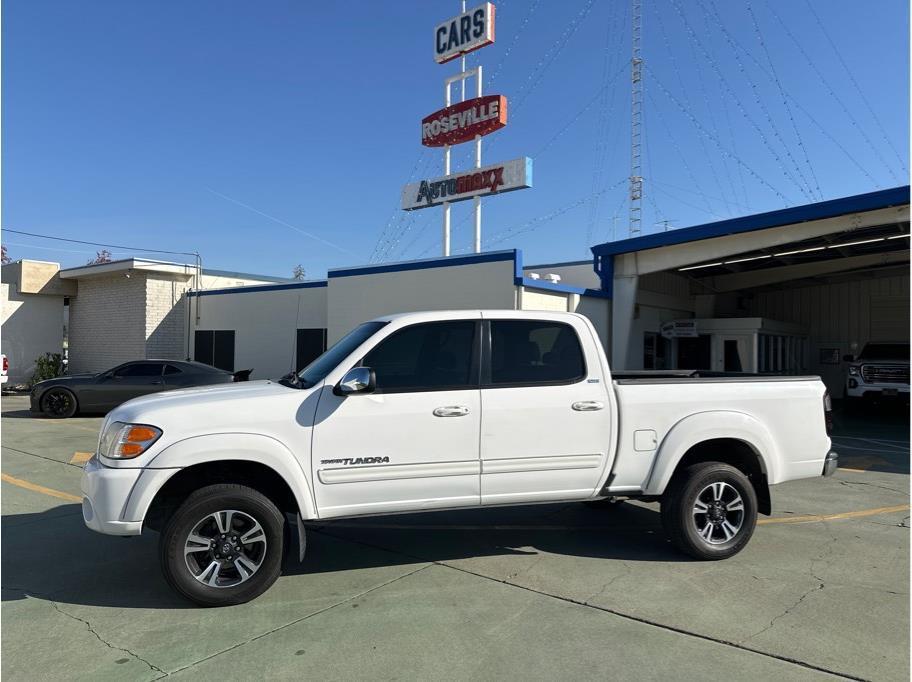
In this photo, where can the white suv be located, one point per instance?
(880, 371)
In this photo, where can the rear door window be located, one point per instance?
(534, 352)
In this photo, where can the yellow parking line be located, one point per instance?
(810, 518)
(81, 457)
(34, 487)
(813, 518)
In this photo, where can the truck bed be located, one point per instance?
(676, 376)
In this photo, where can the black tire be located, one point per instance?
(195, 509)
(682, 525)
(59, 403)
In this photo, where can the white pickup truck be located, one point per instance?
(444, 410)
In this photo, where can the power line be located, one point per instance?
(603, 127)
(806, 187)
(538, 71)
(831, 91)
(804, 111)
(715, 140)
(684, 162)
(671, 59)
(109, 246)
(724, 81)
(535, 223)
(782, 94)
(519, 31)
(857, 87)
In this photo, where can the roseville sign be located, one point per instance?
(465, 33)
(497, 178)
(463, 121)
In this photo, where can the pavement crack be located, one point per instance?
(600, 592)
(875, 485)
(772, 622)
(49, 459)
(741, 646)
(297, 620)
(103, 640)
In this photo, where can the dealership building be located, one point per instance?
(784, 292)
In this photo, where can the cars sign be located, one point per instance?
(463, 121)
(463, 34)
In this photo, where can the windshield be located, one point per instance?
(317, 370)
(885, 351)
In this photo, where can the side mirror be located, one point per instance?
(848, 358)
(357, 380)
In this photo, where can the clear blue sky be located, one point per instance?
(156, 124)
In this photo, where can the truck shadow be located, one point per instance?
(52, 556)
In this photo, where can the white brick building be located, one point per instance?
(135, 308)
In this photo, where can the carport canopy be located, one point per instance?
(858, 233)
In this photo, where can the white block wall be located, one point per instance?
(116, 319)
(838, 315)
(107, 322)
(265, 323)
(32, 326)
(595, 308)
(356, 299)
(166, 317)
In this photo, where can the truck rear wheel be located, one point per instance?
(223, 545)
(710, 511)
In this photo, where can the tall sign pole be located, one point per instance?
(636, 116)
(465, 121)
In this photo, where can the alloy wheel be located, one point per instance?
(718, 513)
(58, 402)
(225, 548)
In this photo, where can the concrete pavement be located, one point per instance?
(534, 592)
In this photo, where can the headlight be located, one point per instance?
(125, 441)
(853, 370)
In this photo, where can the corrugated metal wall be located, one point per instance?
(837, 315)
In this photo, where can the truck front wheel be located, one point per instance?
(709, 510)
(223, 545)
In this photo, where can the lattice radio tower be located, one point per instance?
(636, 121)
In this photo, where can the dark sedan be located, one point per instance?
(64, 396)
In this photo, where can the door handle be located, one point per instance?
(587, 405)
(451, 411)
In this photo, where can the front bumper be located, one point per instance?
(106, 492)
(863, 390)
(830, 463)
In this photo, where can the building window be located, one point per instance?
(309, 345)
(655, 351)
(215, 348)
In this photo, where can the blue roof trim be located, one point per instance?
(256, 288)
(562, 288)
(895, 196)
(428, 263)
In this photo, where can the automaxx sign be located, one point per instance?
(494, 179)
